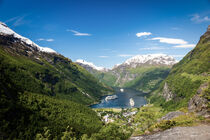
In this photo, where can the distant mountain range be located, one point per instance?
(131, 72)
(134, 62)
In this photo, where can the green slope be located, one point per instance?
(186, 77)
(36, 94)
(50, 74)
(148, 79)
(106, 77)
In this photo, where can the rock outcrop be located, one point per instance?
(201, 132)
(172, 115)
(198, 103)
(167, 94)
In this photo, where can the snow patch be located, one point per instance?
(90, 64)
(151, 59)
(5, 30)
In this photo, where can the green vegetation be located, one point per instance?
(37, 91)
(146, 117)
(149, 78)
(106, 77)
(31, 113)
(186, 77)
(183, 120)
(52, 75)
(148, 120)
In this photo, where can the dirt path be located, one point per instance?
(201, 132)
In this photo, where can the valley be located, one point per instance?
(44, 95)
(122, 100)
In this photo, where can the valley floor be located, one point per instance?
(201, 132)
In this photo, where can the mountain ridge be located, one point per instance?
(186, 77)
(5, 30)
(20, 52)
(131, 71)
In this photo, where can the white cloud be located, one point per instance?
(185, 46)
(197, 18)
(152, 48)
(143, 34)
(48, 40)
(16, 21)
(103, 56)
(125, 55)
(76, 33)
(169, 40)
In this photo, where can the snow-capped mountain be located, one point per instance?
(5, 30)
(149, 59)
(89, 65)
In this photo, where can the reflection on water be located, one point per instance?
(123, 100)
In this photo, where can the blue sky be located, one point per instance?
(107, 32)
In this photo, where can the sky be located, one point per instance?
(107, 32)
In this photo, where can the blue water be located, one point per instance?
(123, 100)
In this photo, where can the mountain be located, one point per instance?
(148, 60)
(43, 92)
(89, 66)
(141, 72)
(6, 31)
(52, 73)
(188, 82)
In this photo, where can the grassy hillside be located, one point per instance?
(28, 115)
(106, 77)
(49, 74)
(144, 78)
(186, 77)
(148, 79)
(39, 91)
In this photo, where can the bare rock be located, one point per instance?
(167, 93)
(172, 115)
(201, 132)
(198, 103)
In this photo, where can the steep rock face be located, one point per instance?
(167, 93)
(124, 72)
(198, 103)
(185, 77)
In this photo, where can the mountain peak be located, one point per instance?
(150, 59)
(90, 64)
(5, 30)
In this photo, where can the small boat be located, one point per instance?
(132, 103)
(122, 90)
(111, 97)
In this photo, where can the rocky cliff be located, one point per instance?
(187, 80)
